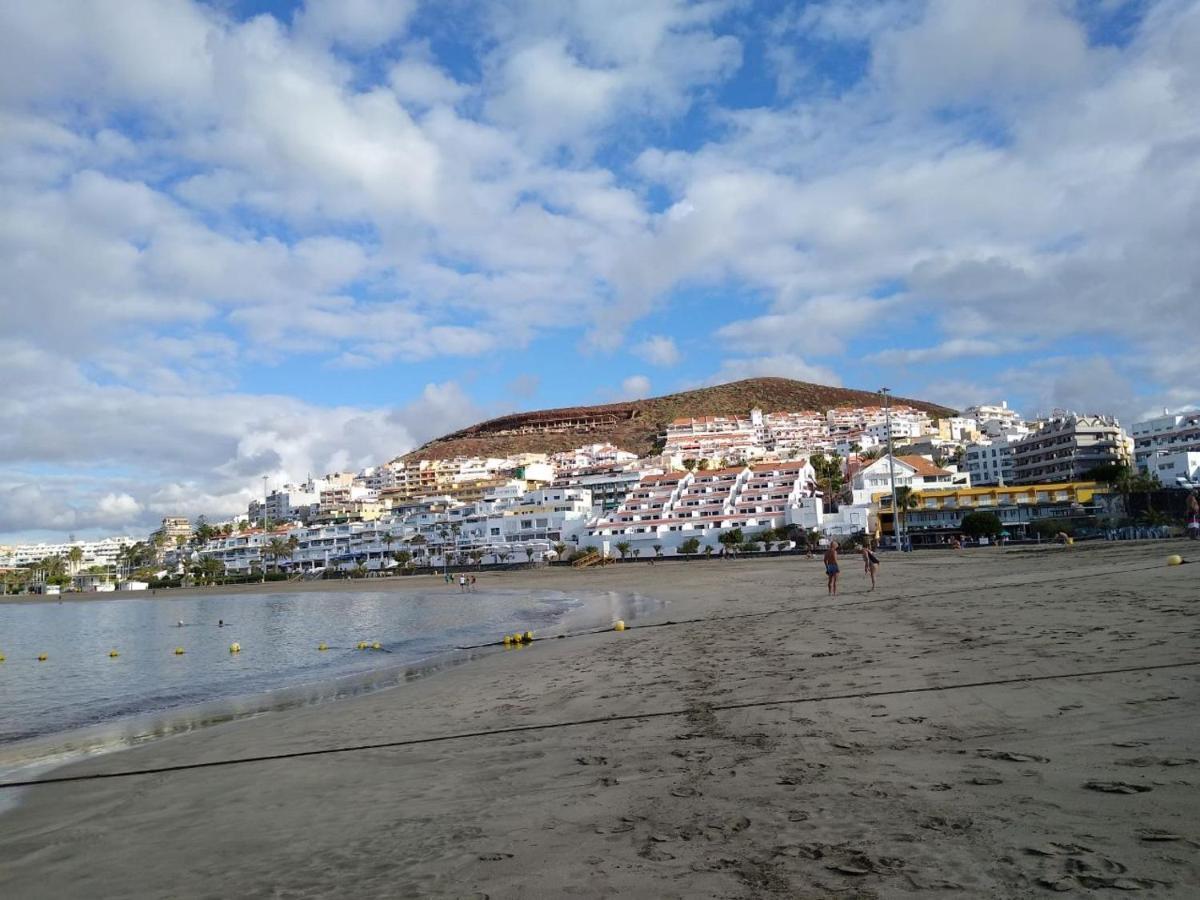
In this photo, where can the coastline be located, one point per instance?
(721, 785)
(46, 752)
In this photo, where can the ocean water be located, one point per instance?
(81, 700)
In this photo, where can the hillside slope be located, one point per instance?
(634, 425)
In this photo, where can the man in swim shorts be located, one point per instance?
(831, 567)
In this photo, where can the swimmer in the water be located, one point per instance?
(179, 624)
(220, 623)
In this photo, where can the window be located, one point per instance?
(527, 523)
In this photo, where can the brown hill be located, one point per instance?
(637, 424)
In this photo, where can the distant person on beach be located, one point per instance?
(870, 563)
(1193, 510)
(472, 583)
(831, 567)
(220, 623)
(462, 584)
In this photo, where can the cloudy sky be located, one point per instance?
(244, 237)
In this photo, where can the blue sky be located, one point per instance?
(251, 237)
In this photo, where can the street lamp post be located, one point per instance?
(887, 417)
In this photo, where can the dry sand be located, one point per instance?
(901, 785)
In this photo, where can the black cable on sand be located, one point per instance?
(598, 720)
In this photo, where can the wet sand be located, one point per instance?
(935, 736)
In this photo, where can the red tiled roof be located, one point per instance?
(922, 466)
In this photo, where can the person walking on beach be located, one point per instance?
(472, 584)
(462, 584)
(870, 563)
(1193, 510)
(831, 567)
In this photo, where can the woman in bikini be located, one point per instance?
(870, 563)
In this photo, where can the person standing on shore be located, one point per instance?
(462, 584)
(1193, 510)
(831, 568)
(870, 563)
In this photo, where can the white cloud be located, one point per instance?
(635, 387)
(424, 84)
(658, 350)
(357, 24)
(187, 194)
(955, 348)
(963, 51)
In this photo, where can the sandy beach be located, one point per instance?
(940, 735)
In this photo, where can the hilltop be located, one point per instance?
(635, 425)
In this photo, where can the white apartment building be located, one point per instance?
(102, 552)
(985, 414)
(1170, 433)
(590, 457)
(511, 523)
(990, 462)
(1174, 468)
(291, 502)
(608, 486)
(903, 429)
(667, 510)
(1067, 448)
(918, 473)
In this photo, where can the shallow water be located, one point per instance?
(148, 690)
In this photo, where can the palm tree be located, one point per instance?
(560, 548)
(623, 548)
(708, 550)
(637, 551)
(387, 540)
(658, 549)
(75, 557)
(689, 464)
(529, 555)
(277, 548)
(418, 542)
(905, 500)
(476, 557)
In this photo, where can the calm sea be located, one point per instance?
(82, 700)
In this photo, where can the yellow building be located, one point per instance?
(934, 515)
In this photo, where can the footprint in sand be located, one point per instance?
(1142, 762)
(1009, 756)
(1158, 835)
(592, 760)
(1117, 787)
(494, 857)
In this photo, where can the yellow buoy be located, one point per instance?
(113, 654)
(235, 647)
(42, 657)
(1174, 560)
(1, 657)
(620, 626)
(179, 651)
(529, 636)
(508, 640)
(322, 646)
(377, 646)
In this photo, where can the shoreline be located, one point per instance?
(51, 751)
(728, 774)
